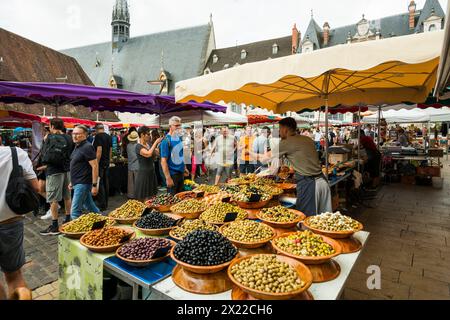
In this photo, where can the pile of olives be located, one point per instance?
(143, 248)
(85, 222)
(247, 231)
(105, 237)
(155, 220)
(218, 212)
(207, 188)
(191, 225)
(205, 248)
(130, 210)
(333, 222)
(165, 199)
(267, 273)
(306, 244)
(278, 214)
(189, 206)
(246, 192)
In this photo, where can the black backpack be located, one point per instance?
(20, 196)
(54, 150)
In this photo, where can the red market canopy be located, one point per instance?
(258, 119)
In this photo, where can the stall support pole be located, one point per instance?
(326, 137)
(359, 137)
(379, 127)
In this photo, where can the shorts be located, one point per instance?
(57, 187)
(227, 169)
(12, 255)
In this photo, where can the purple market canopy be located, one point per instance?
(96, 98)
(166, 104)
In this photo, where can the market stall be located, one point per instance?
(309, 81)
(170, 253)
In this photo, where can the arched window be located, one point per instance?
(432, 27)
(275, 49)
(226, 66)
(215, 58)
(243, 54)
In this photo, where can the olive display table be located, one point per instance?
(330, 290)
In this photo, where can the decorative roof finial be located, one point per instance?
(210, 18)
(312, 14)
(162, 60)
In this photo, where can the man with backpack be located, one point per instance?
(56, 152)
(12, 255)
(172, 157)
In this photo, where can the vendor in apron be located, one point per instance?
(313, 191)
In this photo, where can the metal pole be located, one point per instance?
(379, 127)
(359, 137)
(326, 137)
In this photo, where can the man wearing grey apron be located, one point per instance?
(313, 191)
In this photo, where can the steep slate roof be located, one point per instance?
(140, 58)
(314, 33)
(28, 61)
(426, 12)
(395, 25)
(256, 51)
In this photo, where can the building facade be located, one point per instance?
(414, 20)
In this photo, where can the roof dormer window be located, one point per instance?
(215, 58)
(226, 66)
(275, 49)
(243, 54)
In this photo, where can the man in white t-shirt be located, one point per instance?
(12, 255)
(225, 146)
(317, 137)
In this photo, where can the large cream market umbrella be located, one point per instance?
(377, 72)
(443, 80)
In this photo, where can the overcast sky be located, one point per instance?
(62, 24)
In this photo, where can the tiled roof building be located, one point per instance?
(27, 61)
(146, 64)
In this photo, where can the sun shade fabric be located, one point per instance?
(164, 105)
(96, 98)
(386, 71)
(443, 80)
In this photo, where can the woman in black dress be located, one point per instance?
(146, 182)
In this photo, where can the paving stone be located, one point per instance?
(426, 284)
(423, 237)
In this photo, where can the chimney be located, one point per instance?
(412, 14)
(326, 34)
(295, 39)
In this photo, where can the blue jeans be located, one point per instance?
(317, 143)
(82, 199)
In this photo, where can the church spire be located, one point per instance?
(120, 24)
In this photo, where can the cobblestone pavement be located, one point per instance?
(410, 241)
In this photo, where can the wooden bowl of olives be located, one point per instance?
(321, 245)
(248, 244)
(293, 272)
(200, 269)
(253, 205)
(343, 234)
(143, 263)
(159, 231)
(78, 235)
(127, 233)
(297, 216)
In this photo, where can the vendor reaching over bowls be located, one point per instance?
(313, 191)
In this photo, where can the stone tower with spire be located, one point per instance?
(120, 25)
